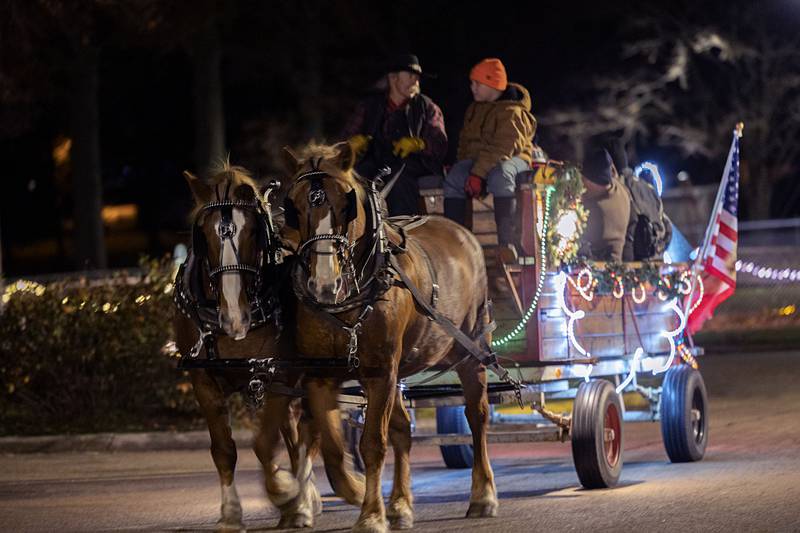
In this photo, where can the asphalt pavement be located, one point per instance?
(749, 479)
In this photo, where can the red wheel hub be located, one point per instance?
(612, 435)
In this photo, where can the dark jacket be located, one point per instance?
(419, 117)
(609, 214)
(649, 229)
(499, 130)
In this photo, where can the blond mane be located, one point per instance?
(225, 172)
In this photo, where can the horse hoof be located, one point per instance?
(316, 502)
(370, 525)
(225, 526)
(482, 510)
(402, 522)
(295, 521)
(400, 515)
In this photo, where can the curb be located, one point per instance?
(117, 442)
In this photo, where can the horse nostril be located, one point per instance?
(312, 285)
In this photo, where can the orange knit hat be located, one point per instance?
(490, 72)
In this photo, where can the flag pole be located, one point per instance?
(737, 131)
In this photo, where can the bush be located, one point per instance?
(86, 357)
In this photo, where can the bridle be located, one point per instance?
(355, 280)
(196, 274)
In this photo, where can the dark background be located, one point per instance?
(290, 72)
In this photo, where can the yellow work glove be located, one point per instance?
(359, 143)
(405, 146)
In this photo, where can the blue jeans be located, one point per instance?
(500, 181)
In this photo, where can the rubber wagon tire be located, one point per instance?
(596, 434)
(684, 414)
(451, 419)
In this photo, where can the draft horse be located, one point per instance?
(229, 296)
(380, 295)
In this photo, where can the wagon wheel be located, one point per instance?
(684, 414)
(596, 433)
(451, 419)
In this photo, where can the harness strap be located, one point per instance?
(489, 361)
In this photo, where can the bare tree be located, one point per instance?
(686, 79)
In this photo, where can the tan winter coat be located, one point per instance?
(499, 130)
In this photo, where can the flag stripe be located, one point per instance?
(729, 232)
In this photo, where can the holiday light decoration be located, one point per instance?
(671, 335)
(653, 168)
(583, 371)
(700, 297)
(574, 316)
(632, 374)
(542, 273)
(767, 272)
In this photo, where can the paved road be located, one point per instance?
(749, 480)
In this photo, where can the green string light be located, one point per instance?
(542, 273)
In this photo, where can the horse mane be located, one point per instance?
(326, 152)
(224, 172)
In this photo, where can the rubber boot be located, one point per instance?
(456, 210)
(505, 215)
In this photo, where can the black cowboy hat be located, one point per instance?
(406, 63)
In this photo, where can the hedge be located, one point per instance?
(81, 356)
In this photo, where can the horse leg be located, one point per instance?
(323, 397)
(289, 431)
(401, 512)
(212, 403)
(310, 443)
(483, 498)
(380, 399)
(282, 487)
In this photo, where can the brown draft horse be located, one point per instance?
(339, 274)
(227, 278)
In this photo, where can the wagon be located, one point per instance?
(619, 354)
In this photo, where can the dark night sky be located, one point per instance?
(145, 104)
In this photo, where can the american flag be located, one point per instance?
(718, 253)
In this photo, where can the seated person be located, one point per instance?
(649, 229)
(609, 206)
(495, 144)
(400, 128)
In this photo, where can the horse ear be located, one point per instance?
(290, 161)
(345, 157)
(200, 190)
(352, 206)
(290, 214)
(244, 193)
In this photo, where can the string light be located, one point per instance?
(540, 282)
(643, 296)
(634, 367)
(670, 335)
(700, 299)
(767, 272)
(587, 290)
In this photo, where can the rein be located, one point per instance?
(381, 280)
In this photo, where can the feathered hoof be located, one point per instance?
(316, 501)
(482, 510)
(400, 515)
(295, 521)
(229, 526)
(371, 524)
(401, 522)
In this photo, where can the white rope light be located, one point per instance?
(574, 316)
(632, 374)
(670, 335)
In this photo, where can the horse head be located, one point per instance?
(231, 235)
(324, 206)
